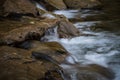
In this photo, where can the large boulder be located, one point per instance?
(17, 31)
(82, 3)
(53, 51)
(17, 64)
(17, 7)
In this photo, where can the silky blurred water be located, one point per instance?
(102, 48)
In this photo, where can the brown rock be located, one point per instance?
(91, 72)
(67, 30)
(17, 6)
(53, 51)
(21, 31)
(108, 26)
(77, 4)
(58, 4)
(17, 64)
(105, 72)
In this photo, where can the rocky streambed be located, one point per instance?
(59, 40)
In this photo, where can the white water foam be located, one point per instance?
(86, 24)
(40, 6)
(47, 15)
(95, 49)
(67, 13)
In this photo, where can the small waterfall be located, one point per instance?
(51, 35)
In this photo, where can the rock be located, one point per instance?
(106, 72)
(23, 7)
(53, 75)
(90, 72)
(67, 30)
(107, 26)
(17, 64)
(77, 4)
(16, 31)
(53, 51)
(58, 4)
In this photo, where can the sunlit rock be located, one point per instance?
(16, 31)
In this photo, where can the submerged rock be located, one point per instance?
(89, 72)
(17, 64)
(77, 4)
(17, 31)
(23, 7)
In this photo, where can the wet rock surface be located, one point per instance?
(89, 72)
(53, 51)
(67, 30)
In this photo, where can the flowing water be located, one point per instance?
(102, 48)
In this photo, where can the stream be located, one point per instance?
(99, 47)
